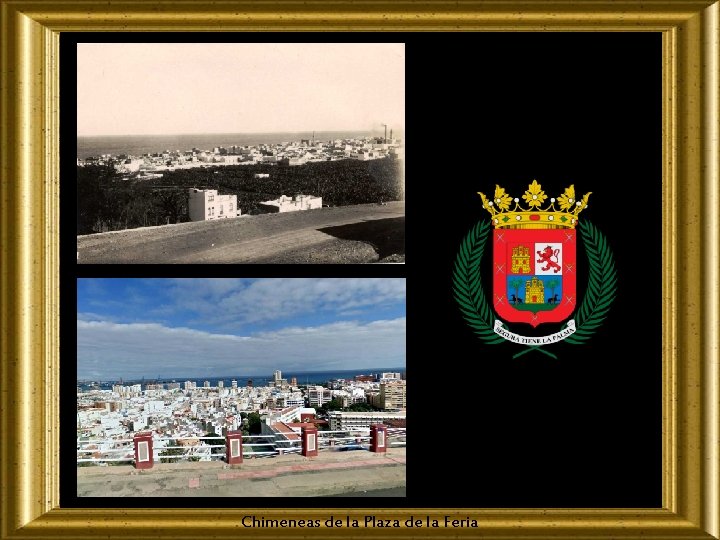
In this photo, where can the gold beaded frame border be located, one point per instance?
(29, 259)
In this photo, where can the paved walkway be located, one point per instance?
(331, 473)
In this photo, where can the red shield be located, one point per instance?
(534, 275)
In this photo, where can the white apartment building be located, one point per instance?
(360, 420)
(206, 204)
(318, 396)
(127, 391)
(288, 399)
(288, 204)
(154, 406)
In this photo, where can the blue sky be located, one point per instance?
(212, 327)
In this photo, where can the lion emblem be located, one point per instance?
(546, 257)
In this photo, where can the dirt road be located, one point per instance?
(348, 234)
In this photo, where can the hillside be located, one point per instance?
(110, 202)
(349, 234)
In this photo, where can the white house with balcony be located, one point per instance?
(206, 204)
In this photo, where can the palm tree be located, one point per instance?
(515, 284)
(552, 284)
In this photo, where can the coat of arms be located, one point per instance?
(534, 269)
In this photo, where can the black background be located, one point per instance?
(483, 109)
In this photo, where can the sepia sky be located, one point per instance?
(132, 328)
(171, 88)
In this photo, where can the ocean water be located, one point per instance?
(308, 377)
(147, 144)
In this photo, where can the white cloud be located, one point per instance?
(90, 316)
(224, 300)
(111, 350)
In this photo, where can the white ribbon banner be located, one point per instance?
(540, 340)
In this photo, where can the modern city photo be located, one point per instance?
(279, 387)
(240, 153)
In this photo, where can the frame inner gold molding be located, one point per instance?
(29, 259)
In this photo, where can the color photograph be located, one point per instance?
(241, 388)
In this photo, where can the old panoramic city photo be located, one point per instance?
(240, 153)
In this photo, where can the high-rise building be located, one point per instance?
(221, 384)
(278, 381)
(233, 383)
(206, 384)
(293, 381)
(392, 395)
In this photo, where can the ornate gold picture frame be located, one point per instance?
(29, 261)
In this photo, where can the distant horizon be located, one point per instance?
(137, 144)
(220, 133)
(362, 371)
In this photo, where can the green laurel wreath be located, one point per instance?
(467, 284)
(600, 293)
(601, 288)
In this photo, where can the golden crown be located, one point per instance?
(534, 217)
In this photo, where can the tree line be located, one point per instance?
(108, 201)
(336, 404)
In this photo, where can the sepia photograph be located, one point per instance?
(240, 153)
(241, 387)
